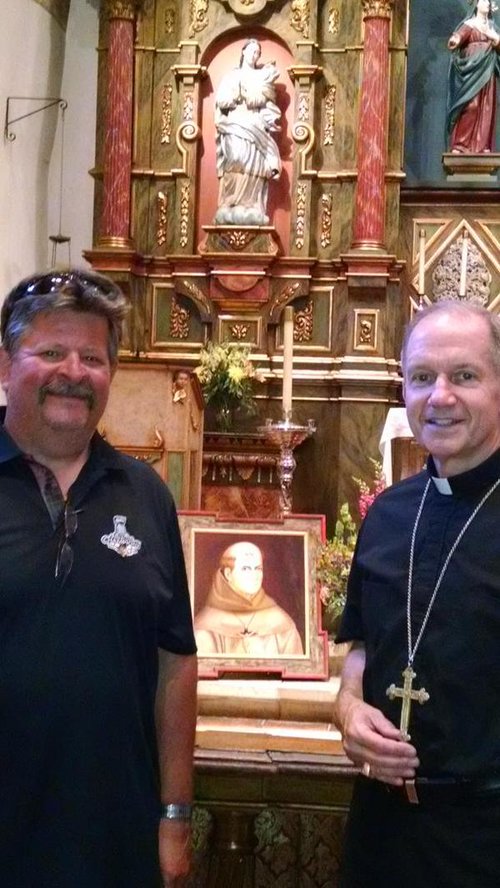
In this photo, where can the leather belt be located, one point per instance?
(446, 790)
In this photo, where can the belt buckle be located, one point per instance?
(411, 792)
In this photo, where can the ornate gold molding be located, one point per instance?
(57, 8)
(303, 323)
(185, 198)
(366, 329)
(300, 215)
(326, 220)
(330, 104)
(166, 114)
(197, 294)
(179, 321)
(300, 13)
(237, 239)
(284, 296)
(120, 9)
(239, 331)
(377, 8)
(162, 209)
(198, 16)
(333, 20)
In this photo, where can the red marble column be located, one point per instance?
(369, 211)
(115, 220)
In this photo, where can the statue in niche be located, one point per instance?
(474, 68)
(246, 116)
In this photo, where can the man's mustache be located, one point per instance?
(68, 390)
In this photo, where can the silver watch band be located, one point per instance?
(176, 812)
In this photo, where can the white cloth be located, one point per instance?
(395, 426)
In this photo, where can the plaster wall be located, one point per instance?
(37, 58)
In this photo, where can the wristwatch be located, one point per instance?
(177, 812)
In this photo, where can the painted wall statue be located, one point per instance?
(474, 69)
(246, 117)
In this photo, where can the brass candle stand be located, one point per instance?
(287, 435)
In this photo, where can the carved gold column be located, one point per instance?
(369, 211)
(115, 220)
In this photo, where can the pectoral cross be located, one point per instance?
(407, 694)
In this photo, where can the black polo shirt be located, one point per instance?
(79, 790)
(458, 661)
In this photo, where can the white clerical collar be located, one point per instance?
(443, 485)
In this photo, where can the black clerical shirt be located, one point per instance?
(458, 660)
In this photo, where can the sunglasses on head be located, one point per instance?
(76, 283)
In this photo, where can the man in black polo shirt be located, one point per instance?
(97, 653)
(420, 692)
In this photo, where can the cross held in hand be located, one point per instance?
(407, 694)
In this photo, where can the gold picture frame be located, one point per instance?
(286, 608)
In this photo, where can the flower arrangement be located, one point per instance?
(335, 554)
(227, 377)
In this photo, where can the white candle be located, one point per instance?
(463, 264)
(421, 263)
(287, 359)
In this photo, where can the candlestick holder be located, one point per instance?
(287, 435)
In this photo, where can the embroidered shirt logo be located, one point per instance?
(121, 541)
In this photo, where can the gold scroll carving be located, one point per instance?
(237, 239)
(179, 321)
(303, 323)
(239, 331)
(166, 114)
(366, 329)
(283, 297)
(299, 16)
(333, 20)
(198, 16)
(326, 219)
(197, 293)
(330, 103)
(300, 215)
(162, 208)
(185, 194)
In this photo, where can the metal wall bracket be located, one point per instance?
(50, 100)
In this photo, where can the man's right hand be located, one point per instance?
(371, 739)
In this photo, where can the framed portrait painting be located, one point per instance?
(254, 595)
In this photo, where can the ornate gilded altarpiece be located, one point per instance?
(192, 280)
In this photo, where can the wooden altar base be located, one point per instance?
(272, 785)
